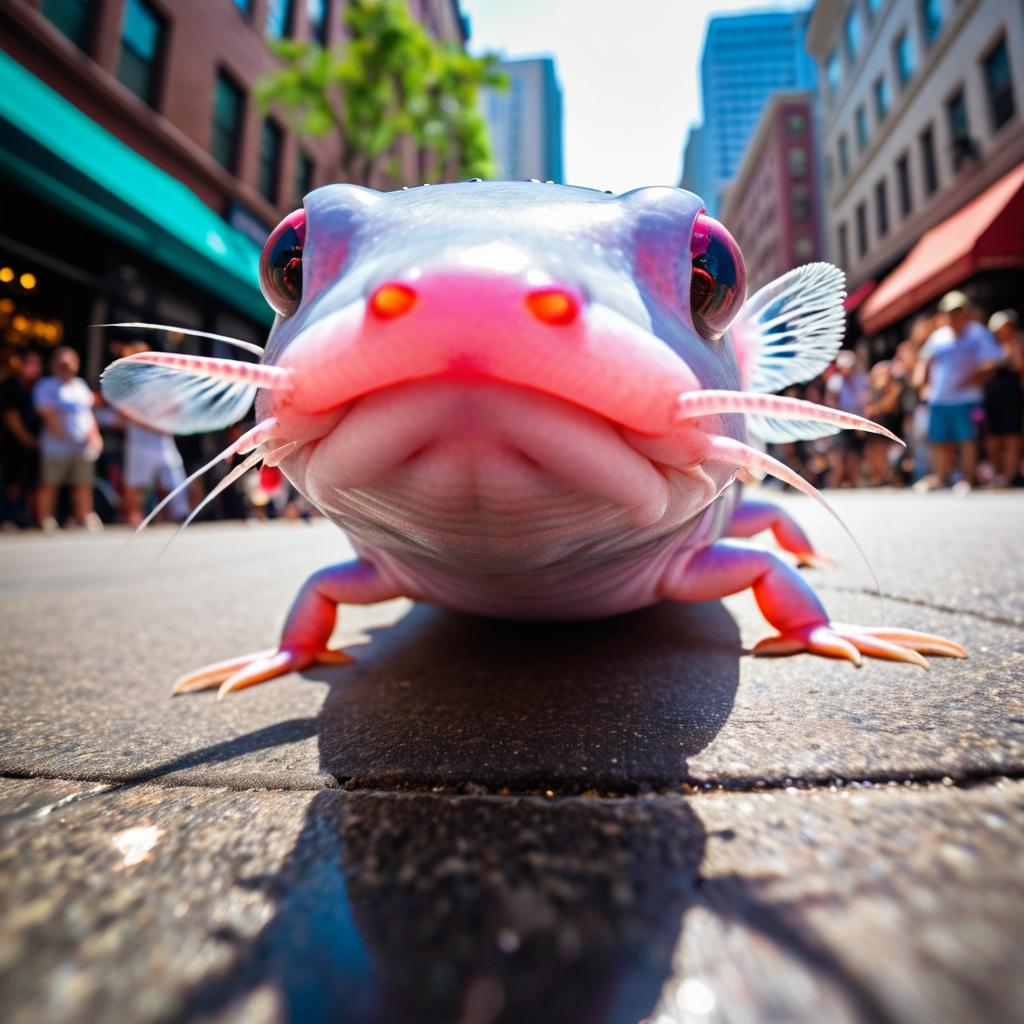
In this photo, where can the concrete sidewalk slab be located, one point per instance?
(963, 553)
(155, 903)
(646, 701)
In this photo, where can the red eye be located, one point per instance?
(718, 281)
(281, 264)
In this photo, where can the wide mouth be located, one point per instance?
(455, 433)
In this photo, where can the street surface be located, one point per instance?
(489, 821)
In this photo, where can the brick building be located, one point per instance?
(771, 206)
(140, 175)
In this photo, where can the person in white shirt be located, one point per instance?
(70, 442)
(955, 362)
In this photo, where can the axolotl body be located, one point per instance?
(524, 400)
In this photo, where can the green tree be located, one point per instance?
(389, 87)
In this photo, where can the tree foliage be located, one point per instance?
(388, 88)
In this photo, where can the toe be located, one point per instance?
(262, 669)
(214, 674)
(876, 647)
(824, 640)
(924, 643)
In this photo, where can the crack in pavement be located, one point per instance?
(884, 782)
(1016, 622)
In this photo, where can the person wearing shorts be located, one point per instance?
(151, 462)
(955, 362)
(70, 442)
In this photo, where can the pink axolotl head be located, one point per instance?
(500, 358)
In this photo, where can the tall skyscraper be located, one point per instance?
(526, 121)
(746, 58)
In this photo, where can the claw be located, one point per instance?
(839, 640)
(250, 669)
(212, 675)
(262, 669)
(926, 643)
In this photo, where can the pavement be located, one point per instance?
(486, 821)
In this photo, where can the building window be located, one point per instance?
(844, 156)
(228, 100)
(881, 94)
(862, 230)
(316, 14)
(999, 85)
(903, 53)
(803, 247)
(72, 17)
(279, 19)
(903, 185)
(931, 20)
(851, 33)
(797, 157)
(270, 159)
(141, 42)
(861, 123)
(882, 208)
(245, 6)
(303, 176)
(929, 167)
(800, 206)
(844, 246)
(796, 124)
(959, 131)
(832, 72)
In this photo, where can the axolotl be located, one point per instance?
(524, 400)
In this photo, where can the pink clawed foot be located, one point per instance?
(839, 640)
(250, 669)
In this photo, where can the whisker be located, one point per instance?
(742, 456)
(272, 378)
(237, 473)
(247, 345)
(251, 439)
(693, 404)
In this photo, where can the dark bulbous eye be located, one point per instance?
(281, 264)
(718, 278)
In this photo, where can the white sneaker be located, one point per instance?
(49, 526)
(93, 523)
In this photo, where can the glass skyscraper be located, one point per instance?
(746, 58)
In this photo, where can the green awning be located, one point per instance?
(55, 151)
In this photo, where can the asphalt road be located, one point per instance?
(482, 821)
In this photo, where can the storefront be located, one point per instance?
(93, 233)
(980, 250)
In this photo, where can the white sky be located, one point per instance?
(629, 74)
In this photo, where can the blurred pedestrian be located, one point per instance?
(954, 364)
(847, 389)
(70, 442)
(883, 406)
(19, 441)
(1004, 402)
(151, 462)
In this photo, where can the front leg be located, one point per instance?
(791, 606)
(307, 630)
(751, 517)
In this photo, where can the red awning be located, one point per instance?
(858, 295)
(987, 233)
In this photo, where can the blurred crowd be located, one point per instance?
(69, 460)
(953, 390)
